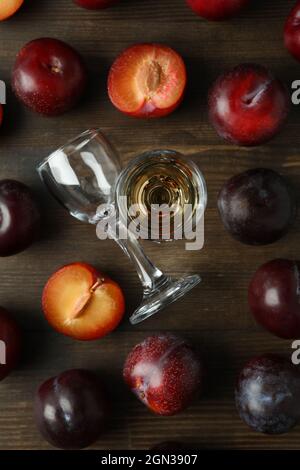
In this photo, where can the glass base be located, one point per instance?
(158, 299)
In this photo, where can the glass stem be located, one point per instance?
(150, 276)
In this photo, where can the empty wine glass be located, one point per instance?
(86, 174)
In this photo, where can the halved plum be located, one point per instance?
(9, 7)
(147, 80)
(83, 303)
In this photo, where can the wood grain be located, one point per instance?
(214, 316)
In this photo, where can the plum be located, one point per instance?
(257, 207)
(268, 394)
(164, 373)
(71, 409)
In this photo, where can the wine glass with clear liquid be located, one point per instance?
(85, 174)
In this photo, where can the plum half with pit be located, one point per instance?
(274, 297)
(147, 81)
(257, 207)
(71, 409)
(82, 302)
(164, 373)
(9, 7)
(268, 394)
(248, 105)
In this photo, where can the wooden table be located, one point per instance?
(215, 316)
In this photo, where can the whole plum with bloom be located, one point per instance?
(10, 337)
(268, 394)
(217, 9)
(248, 106)
(147, 81)
(9, 7)
(49, 76)
(71, 409)
(20, 217)
(95, 4)
(274, 297)
(164, 372)
(257, 207)
(292, 32)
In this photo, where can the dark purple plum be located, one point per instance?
(274, 297)
(257, 207)
(19, 217)
(268, 394)
(71, 409)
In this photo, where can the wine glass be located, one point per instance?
(160, 193)
(85, 175)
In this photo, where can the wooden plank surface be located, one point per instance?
(215, 315)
